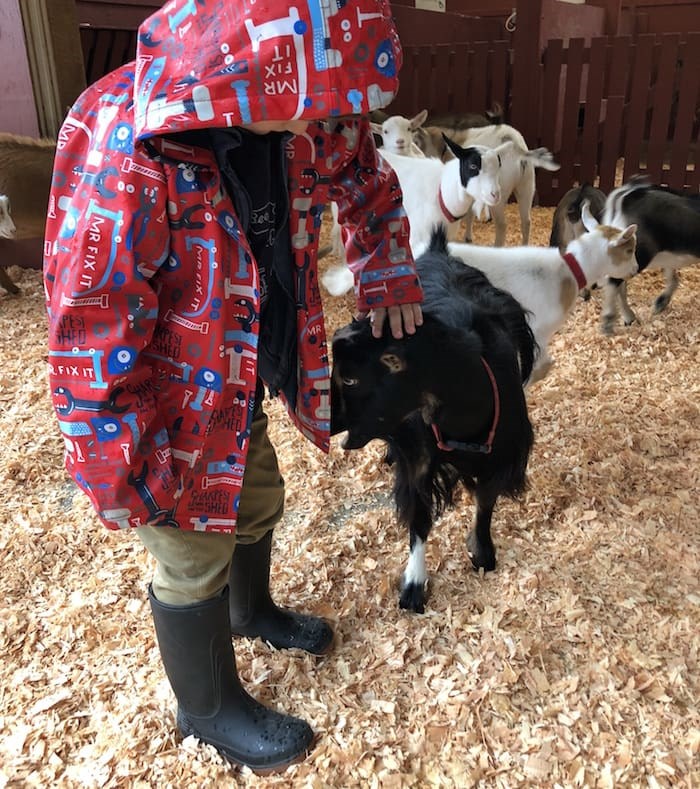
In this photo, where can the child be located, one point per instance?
(181, 277)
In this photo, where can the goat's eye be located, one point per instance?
(473, 167)
(350, 381)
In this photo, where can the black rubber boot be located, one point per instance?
(253, 612)
(195, 646)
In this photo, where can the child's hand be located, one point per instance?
(401, 317)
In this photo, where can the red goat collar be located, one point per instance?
(450, 446)
(575, 269)
(449, 216)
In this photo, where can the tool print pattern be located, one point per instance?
(152, 290)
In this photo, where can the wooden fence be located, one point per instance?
(593, 102)
(599, 102)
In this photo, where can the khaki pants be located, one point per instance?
(194, 566)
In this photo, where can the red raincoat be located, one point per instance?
(151, 287)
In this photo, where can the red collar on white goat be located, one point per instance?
(575, 269)
(449, 216)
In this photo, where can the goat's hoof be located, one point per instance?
(413, 597)
(481, 555)
(661, 303)
(629, 320)
(586, 294)
(608, 326)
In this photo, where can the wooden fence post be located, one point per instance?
(525, 106)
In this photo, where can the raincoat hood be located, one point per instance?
(219, 63)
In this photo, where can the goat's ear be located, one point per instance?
(456, 149)
(629, 233)
(375, 127)
(393, 362)
(589, 221)
(418, 120)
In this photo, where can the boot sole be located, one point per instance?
(263, 769)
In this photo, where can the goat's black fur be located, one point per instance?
(396, 390)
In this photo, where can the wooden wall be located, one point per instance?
(17, 108)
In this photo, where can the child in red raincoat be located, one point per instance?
(181, 280)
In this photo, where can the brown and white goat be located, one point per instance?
(546, 282)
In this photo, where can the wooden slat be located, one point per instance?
(547, 131)
(635, 117)
(406, 97)
(591, 134)
(468, 91)
(688, 101)
(661, 101)
(619, 66)
(610, 147)
(498, 73)
(441, 69)
(424, 96)
(571, 105)
(551, 77)
(460, 61)
(480, 70)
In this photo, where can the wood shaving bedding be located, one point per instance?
(574, 664)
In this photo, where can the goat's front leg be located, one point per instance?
(469, 225)
(498, 212)
(479, 542)
(614, 290)
(414, 583)
(413, 512)
(672, 279)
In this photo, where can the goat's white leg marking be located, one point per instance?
(415, 572)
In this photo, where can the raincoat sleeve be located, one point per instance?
(102, 251)
(374, 226)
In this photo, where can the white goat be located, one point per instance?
(546, 282)
(434, 193)
(517, 176)
(397, 134)
(442, 193)
(7, 230)
(7, 226)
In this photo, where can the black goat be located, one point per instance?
(448, 401)
(668, 238)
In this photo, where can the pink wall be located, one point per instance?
(17, 112)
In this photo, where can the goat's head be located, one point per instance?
(618, 244)
(373, 386)
(397, 132)
(7, 226)
(480, 169)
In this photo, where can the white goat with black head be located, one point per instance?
(439, 193)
